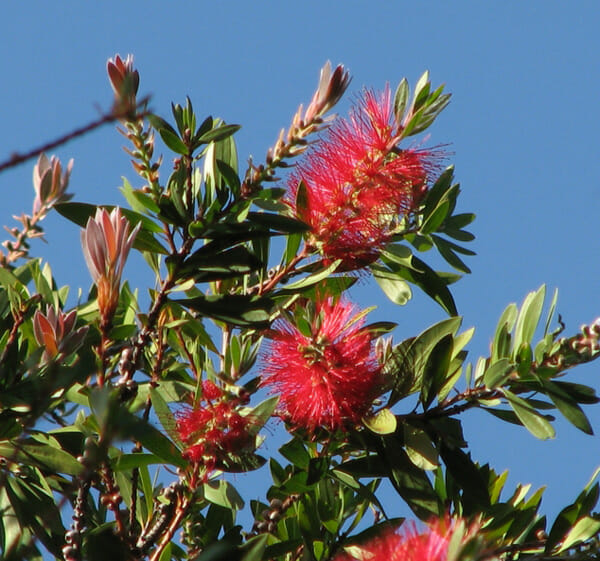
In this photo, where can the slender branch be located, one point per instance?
(19, 158)
(182, 508)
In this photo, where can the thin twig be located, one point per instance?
(19, 158)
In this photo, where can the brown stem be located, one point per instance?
(270, 283)
(182, 508)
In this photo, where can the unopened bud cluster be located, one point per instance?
(580, 348)
(125, 79)
(269, 517)
(50, 185)
(292, 143)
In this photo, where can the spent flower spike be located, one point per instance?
(106, 241)
(359, 185)
(49, 182)
(327, 378)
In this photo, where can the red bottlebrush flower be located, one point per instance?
(213, 432)
(410, 544)
(327, 378)
(360, 184)
(106, 242)
(211, 391)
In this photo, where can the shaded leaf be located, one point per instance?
(533, 421)
(236, 309)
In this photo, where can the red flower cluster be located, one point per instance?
(215, 430)
(410, 545)
(359, 184)
(327, 378)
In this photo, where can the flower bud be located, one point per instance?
(49, 182)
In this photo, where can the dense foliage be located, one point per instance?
(250, 320)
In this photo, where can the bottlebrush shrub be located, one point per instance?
(119, 423)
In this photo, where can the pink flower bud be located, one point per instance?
(124, 81)
(49, 182)
(106, 241)
(54, 331)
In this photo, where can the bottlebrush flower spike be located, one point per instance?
(326, 378)
(49, 182)
(214, 429)
(359, 184)
(106, 241)
(410, 544)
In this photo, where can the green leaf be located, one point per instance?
(43, 455)
(277, 222)
(529, 317)
(379, 328)
(419, 448)
(393, 286)
(219, 133)
(498, 373)
(295, 452)
(421, 90)
(254, 548)
(459, 221)
(439, 189)
(579, 392)
(173, 141)
(502, 339)
(551, 311)
(223, 493)
(205, 266)
(411, 483)
(432, 283)
(584, 529)
(159, 123)
(448, 252)
(406, 364)
(533, 421)
(157, 443)
(382, 422)
(568, 407)
(435, 218)
(262, 413)
(236, 309)
(314, 277)
(127, 462)
(435, 371)
(166, 418)
(401, 99)
(419, 273)
(475, 495)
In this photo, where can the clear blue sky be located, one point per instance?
(522, 126)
